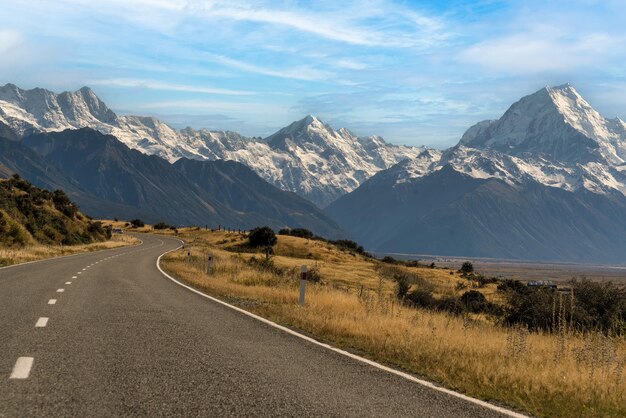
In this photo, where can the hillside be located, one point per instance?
(133, 184)
(29, 215)
(442, 324)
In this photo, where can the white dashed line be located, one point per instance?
(52, 301)
(41, 322)
(84, 269)
(74, 277)
(22, 367)
(80, 272)
(68, 282)
(60, 290)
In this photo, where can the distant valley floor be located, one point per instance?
(527, 270)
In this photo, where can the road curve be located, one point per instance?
(106, 334)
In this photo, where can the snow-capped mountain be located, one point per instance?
(553, 137)
(546, 181)
(307, 157)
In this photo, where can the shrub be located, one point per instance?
(297, 232)
(422, 298)
(63, 203)
(162, 225)
(467, 268)
(475, 302)
(262, 237)
(403, 285)
(598, 305)
(137, 223)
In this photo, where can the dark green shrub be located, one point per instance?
(467, 268)
(475, 302)
(162, 225)
(137, 223)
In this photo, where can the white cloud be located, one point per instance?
(9, 39)
(542, 50)
(157, 85)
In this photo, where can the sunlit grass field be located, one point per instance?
(354, 307)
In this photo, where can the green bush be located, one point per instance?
(137, 223)
(467, 268)
(162, 225)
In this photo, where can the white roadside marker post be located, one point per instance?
(302, 284)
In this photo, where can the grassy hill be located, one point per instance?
(439, 327)
(30, 215)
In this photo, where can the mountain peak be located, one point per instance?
(556, 122)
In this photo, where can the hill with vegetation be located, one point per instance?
(30, 215)
(543, 350)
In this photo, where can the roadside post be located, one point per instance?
(209, 264)
(303, 272)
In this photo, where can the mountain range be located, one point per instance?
(544, 182)
(107, 179)
(307, 157)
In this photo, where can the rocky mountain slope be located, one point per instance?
(543, 182)
(308, 157)
(107, 179)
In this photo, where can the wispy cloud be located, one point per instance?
(345, 23)
(412, 71)
(157, 85)
(544, 49)
(297, 73)
(9, 39)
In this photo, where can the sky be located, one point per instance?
(414, 72)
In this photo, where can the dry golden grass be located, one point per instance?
(566, 375)
(9, 256)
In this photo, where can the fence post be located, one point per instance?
(209, 264)
(303, 272)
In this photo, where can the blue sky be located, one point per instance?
(415, 72)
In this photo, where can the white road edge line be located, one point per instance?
(406, 376)
(52, 302)
(41, 322)
(22, 367)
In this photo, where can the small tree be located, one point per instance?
(161, 225)
(137, 223)
(467, 268)
(263, 236)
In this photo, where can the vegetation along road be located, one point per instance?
(107, 334)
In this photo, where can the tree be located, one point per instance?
(467, 268)
(263, 236)
(137, 223)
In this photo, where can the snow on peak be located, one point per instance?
(555, 122)
(307, 157)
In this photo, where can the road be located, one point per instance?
(124, 340)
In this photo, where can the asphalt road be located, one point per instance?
(124, 340)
